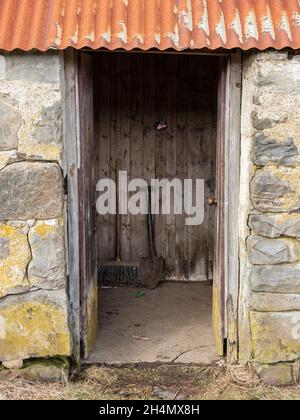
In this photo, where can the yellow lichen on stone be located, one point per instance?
(3, 160)
(15, 256)
(274, 338)
(291, 176)
(32, 149)
(284, 131)
(47, 269)
(36, 328)
(43, 229)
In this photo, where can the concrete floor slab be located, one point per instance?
(172, 323)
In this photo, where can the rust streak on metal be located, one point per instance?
(147, 24)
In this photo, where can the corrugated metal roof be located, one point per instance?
(145, 24)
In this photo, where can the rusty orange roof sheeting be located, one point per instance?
(146, 24)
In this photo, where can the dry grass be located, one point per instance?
(146, 383)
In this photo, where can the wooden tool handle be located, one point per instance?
(118, 216)
(151, 233)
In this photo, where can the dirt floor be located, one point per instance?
(172, 323)
(170, 382)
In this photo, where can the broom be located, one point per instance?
(119, 273)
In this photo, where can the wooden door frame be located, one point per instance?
(232, 140)
(228, 151)
(69, 66)
(231, 72)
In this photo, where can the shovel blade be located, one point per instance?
(153, 271)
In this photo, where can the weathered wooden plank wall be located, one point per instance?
(87, 179)
(132, 92)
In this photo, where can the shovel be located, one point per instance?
(153, 267)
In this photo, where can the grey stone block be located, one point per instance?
(276, 279)
(47, 371)
(276, 375)
(264, 251)
(266, 123)
(10, 123)
(33, 67)
(282, 77)
(31, 191)
(268, 150)
(276, 190)
(48, 127)
(269, 55)
(47, 268)
(15, 256)
(2, 67)
(35, 325)
(275, 336)
(276, 225)
(274, 302)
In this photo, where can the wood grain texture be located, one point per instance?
(87, 205)
(220, 266)
(143, 90)
(233, 139)
(71, 157)
(102, 89)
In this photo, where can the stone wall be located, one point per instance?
(33, 296)
(273, 242)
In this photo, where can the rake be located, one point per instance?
(119, 273)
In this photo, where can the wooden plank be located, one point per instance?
(102, 132)
(211, 188)
(233, 139)
(212, 194)
(149, 118)
(71, 148)
(171, 92)
(138, 222)
(124, 102)
(219, 266)
(115, 142)
(199, 160)
(181, 231)
(210, 119)
(160, 148)
(245, 207)
(87, 208)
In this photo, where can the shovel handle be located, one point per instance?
(151, 233)
(118, 216)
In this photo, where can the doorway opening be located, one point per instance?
(122, 99)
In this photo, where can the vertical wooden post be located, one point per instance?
(87, 206)
(71, 143)
(220, 263)
(233, 141)
(226, 270)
